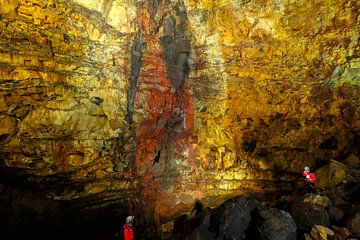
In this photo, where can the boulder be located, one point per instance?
(340, 196)
(317, 199)
(335, 213)
(355, 224)
(233, 217)
(352, 161)
(202, 232)
(307, 215)
(319, 232)
(331, 174)
(342, 232)
(277, 225)
(348, 192)
(307, 236)
(179, 227)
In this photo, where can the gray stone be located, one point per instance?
(233, 218)
(335, 213)
(277, 225)
(343, 233)
(202, 232)
(307, 215)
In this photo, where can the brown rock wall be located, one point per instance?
(62, 72)
(167, 102)
(276, 80)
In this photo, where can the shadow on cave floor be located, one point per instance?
(99, 230)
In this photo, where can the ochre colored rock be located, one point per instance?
(355, 224)
(318, 199)
(163, 103)
(331, 174)
(352, 161)
(319, 232)
(343, 232)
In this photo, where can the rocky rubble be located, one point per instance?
(300, 215)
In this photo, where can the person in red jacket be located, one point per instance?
(309, 180)
(128, 229)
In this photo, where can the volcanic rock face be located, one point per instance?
(147, 106)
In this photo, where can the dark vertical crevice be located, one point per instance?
(136, 59)
(176, 48)
(135, 67)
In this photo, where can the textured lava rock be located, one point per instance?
(202, 230)
(233, 218)
(277, 225)
(331, 174)
(306, 215)
(335, 214)
(319, 232)
(150, 105)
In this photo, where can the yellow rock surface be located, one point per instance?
(182, 100)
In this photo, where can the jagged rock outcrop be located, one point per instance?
(151, 105)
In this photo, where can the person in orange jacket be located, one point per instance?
(128, 229)
(309, 180)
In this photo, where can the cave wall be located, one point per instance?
(286, 71)
(160, 103)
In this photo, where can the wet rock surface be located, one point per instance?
(109, 108)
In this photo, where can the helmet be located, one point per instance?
(307, 169)
(129, 218)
